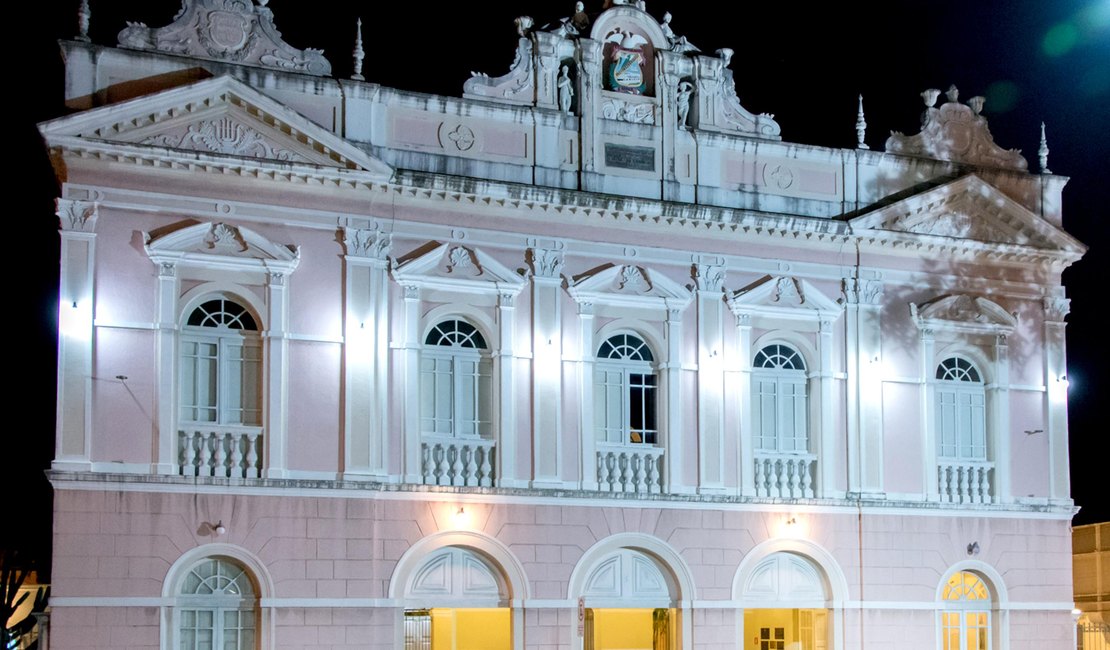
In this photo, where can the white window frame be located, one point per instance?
(481, 380)
(627, 368)
(965, 396)
(962, 607)
(781, 378)
(218, 606)
(225, 339)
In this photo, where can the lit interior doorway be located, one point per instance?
(630, 600)
(788, 610)
(463, 601)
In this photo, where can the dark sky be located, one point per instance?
(805, 62)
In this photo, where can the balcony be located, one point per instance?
(636, 468)
(467, 462)
(964, 481)
(225, 451)
(784, 476)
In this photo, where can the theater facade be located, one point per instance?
(586, 358)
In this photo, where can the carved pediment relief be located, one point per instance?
(629, 285)
(220, 245)
(783, 296)
(220, 116)
(963, 313)
(968, 209)
(236, 31)
(457, 267)
(955, 132)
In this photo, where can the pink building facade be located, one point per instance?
(587, 358)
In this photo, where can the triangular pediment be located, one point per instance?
(968, 209)
(963, 313)
(784, 296)
(220, 245)
(629, 285)
(218, 117)
(458, 267)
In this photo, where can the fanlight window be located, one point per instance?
(455, 385)
(217, 607)
(625, 391)
(966, 619)
(961, 419)
(779, 401)
(221, 365)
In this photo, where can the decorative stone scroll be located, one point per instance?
(955, 132)
(236, 31)
(518, 86)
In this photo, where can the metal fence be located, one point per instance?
(1093, 636)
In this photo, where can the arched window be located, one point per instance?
(455, 391)
(221, 365)
(961, 413)
(625, 391)
(779, 400)
(965, 622)
(217, 607)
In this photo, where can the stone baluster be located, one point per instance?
(487, 467)
(205, 468)
(189, 453)
(219, 458)
(457, 467)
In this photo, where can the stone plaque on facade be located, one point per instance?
(629, 157)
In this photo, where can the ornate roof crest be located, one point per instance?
(955, 132)
(236, 31)
(963, 313)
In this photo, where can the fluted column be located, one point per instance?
(73, 441)
(365, 355)
(547, 367)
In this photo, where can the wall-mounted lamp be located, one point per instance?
(973, 549)
(461, 512)
(792, 521)
(218, 529)
(74, 304)
(362, 325)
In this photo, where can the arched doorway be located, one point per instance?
(630, 602)
(457, 599)
(786, 605)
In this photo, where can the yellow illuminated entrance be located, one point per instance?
(445, 628)
(629, 629)
(786, 629)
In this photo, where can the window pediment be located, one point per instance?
(785, 297)
(626, 285)
(963, 313)
(216, 117)
(221, 245)
(458, 268)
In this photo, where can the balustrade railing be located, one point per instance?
(964, 481)
(787, 476)
(229, 452)
(629, 468)
(1092, 635)
(465, 462)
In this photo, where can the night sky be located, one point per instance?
(804, 62)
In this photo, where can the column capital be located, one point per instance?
(76, 216)
(368, 244)
(859, 291)
(709, 277)
(545, 262)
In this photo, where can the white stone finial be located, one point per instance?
(725, 55)
(84, 15)
(930, 97)
(976, 104)
(359, 54)
(523, 25)
(953, 93)
(1042, 153)
(861, 126)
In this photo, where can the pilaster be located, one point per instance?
(745, 447)
(929, 414)
(709, 280)
(865, 417)
(587, 428)
(998, 420)
(1056, 309)
(409, 385)
(73, 441)
(504, 367)
(166, 329)
(547, 370)
(674, 482)
(365, 355)
(276, 354)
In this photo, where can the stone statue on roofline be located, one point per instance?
(678, 43)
